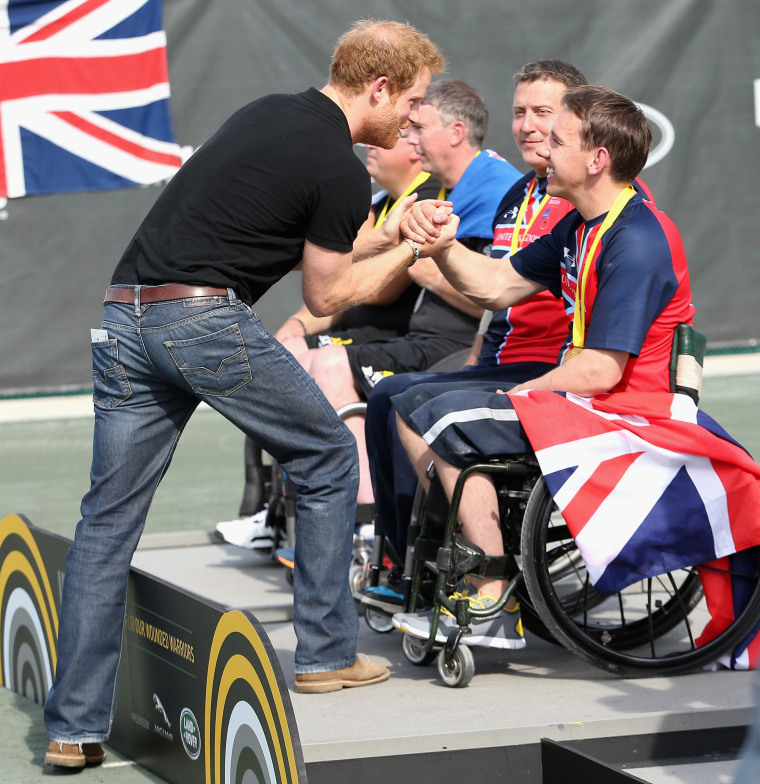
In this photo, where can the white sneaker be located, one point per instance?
(366, 531)
(252, 532)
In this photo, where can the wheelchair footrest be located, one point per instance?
(467, 558)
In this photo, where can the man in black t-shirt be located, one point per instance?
(247, 207)
(448, 129)
(398, 171)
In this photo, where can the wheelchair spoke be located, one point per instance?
(651, 627)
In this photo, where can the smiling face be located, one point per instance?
(567, 164)
(534, 109)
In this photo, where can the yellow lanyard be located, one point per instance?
(579, 316)
(521, 215)
(418, 180)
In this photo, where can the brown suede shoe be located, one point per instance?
(363, 672)
(74, 755)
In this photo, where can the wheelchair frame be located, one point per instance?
(655, 639)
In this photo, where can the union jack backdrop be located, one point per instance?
(84, 96)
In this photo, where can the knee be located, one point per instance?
(329, 366)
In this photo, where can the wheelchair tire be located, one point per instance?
(378, 621)
(414, 651)
(648, 629)
(458, 669)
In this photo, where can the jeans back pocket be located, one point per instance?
(110, 385)
(214, 364)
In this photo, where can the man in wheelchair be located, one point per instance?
(619, 266)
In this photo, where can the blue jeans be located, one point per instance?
(156, 364)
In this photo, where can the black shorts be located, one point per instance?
(348, 337)
(372, 362)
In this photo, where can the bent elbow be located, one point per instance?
(321, 306)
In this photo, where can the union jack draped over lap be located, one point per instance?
(647, 484)
(84, 96)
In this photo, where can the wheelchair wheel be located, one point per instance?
(458, 669)
(377, 621)
(414, 651)
(647, 629)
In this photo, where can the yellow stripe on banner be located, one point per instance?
(239, 668)
(234, 622)
(13, 525)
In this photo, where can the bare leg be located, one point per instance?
(298, 348)
(479, 516)
(330, 369)
(478, 509)
(419, 452)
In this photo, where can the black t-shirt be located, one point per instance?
(282, 169)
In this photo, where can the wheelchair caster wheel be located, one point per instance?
(414, 650)
(377, 621)
(356, 579)
(458, 670)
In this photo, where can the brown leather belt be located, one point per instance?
(171, 291)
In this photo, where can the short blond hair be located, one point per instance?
(372, 48)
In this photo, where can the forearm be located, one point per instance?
(302, 322)
(371, 242)
(353, 284)
(592, 372)
(475, 349)
(489, 283)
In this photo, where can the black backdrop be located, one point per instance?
(696, 62)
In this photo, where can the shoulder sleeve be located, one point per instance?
(341, 204)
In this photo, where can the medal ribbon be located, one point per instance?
(579, 316)
(418, 180)
(516, 240)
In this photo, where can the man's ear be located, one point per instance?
(458, 131)
(380, 88)
(600, 161)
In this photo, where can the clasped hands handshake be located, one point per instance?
(432, 224)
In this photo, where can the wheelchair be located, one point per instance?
(650, 628)
(267, 485)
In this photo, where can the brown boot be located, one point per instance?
(74, 755)
(363, 672)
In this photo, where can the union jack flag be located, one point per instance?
(84, 96)
(646, 482)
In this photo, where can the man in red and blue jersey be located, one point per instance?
(520, 342)
(619, 266)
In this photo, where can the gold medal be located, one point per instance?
(573, 352)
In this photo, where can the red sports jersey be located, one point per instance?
(535, 329)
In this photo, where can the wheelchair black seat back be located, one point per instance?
(650, 628)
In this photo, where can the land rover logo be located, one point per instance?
(190, 733)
